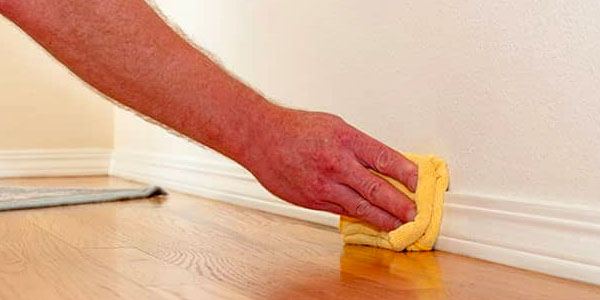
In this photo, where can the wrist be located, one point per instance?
(263, 131)
(244, 126)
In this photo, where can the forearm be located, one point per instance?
(126, 51)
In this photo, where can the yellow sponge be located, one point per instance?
(419, 235)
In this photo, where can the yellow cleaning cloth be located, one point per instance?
(419, 235)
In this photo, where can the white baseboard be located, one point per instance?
(58, 162)
(561, 241)
(558, 240)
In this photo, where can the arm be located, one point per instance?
(126, 51)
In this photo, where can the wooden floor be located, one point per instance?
(184, 247)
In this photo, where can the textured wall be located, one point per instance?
(508, 92)
(42, 106)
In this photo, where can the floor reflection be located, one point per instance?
(415, 270)
(362, 273)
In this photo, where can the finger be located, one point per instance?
(386, 160)
(357, 207)
(381, 193)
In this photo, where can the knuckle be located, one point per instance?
(362, 208)
(317, 155)
(333, 118)
(371, 188)
(320, 155)
(330, 162)
(346, 135)
(384, 159)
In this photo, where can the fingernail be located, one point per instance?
(397, 224)
(411, 214)
(412, 182)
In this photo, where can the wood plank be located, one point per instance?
(36, 265)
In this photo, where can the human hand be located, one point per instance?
(318, 161)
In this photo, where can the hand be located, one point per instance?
(318, 161)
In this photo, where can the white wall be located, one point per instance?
(508, 92)
(43, 106)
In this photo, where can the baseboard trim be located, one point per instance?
(57, 162)
(521, 259)
(556, 240)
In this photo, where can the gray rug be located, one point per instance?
(31, 197)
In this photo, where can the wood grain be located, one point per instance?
(184, 247)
